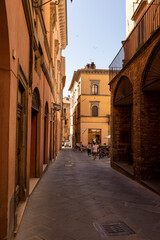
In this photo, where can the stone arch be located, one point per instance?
(150, 116)
(151, 74)
(122, 122)
(35, 135)
(124, 92)
(46, 133)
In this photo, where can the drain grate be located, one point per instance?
(113, 229)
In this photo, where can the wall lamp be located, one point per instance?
(37, 6)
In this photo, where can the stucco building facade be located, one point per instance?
(32, 38)
(90, 109)
(135, 99)
(66, 123)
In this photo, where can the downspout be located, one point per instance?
(30, 60)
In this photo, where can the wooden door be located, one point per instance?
(33, 144)
(44, 144)
(18, 158)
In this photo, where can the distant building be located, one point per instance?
(135, 98)
(66, 122)
(90, 109)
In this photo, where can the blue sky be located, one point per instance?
(95, 31)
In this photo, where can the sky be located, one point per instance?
(95, 31)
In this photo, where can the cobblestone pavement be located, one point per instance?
(77, 191)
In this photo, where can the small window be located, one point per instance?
(64, 110)
(66, 121)
(78, 112)
(94, 111)
(95, 89)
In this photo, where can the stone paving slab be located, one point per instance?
(77, 191)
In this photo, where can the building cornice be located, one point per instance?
(95, 71)
(77, 74)
(98, 95)
(63, 81)
(28, 15)
(84, 116)
(74, 78)
(62, 18)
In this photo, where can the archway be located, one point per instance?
(34, 134)
(122, 122)
(151, 116)
(45, 144)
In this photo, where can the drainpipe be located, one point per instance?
(31, 61)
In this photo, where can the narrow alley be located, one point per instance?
(76, 194)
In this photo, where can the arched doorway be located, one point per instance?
(45, 144)
(122, 122)
(151, 116)
(34, 134)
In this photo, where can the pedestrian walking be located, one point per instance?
(95, 150)
(89, 147)
(81, 146)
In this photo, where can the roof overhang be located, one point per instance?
(62, 18)
(63, 82)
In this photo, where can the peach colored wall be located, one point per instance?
(19, 42)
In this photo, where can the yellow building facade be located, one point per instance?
(66, 119)
(90, 108)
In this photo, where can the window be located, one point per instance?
(94, 111)
(95, 89)
(37, 65)
(78, 111)
(64, 110)
(66, 121)
(74, 119)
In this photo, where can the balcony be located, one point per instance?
(145, 28)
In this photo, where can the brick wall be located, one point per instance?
(136, 129)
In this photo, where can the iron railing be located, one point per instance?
(145, 28)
